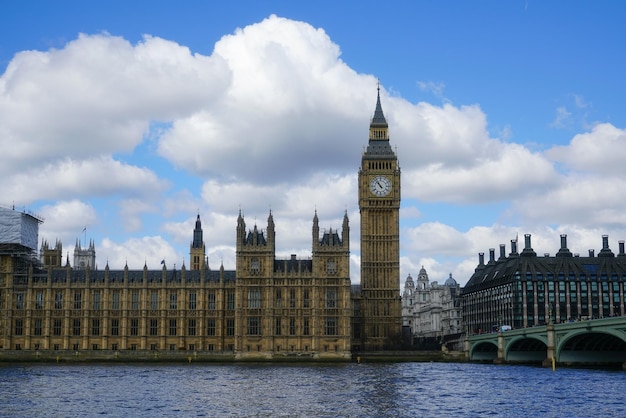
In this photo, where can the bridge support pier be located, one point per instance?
(550, 354)
(466, 346)
(500, 358)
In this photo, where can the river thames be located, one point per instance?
(338, 390)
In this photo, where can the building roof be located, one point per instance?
(450, 281)
(562, 267)
(379, 117)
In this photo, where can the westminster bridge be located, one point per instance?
(588, 342)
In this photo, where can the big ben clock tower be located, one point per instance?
(379, 204)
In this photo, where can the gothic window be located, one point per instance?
(192, 301)
(305, 299)
(19, 300)
(39, 300)
(331, 297)
(279, 298)
(19, 326)
(76, 327)
(254, 266)
(210, 327)
(230, 300)
(254, 298)
(331, 267)
(58, 300)
(330, 326)
(191, 325)
(154, 300)
(135, 300)
(211, 300)
(278, 326)
(78, 299)
(305, 326)
(95, 327)
(115, 327)
(173, 301)
(115, 300)
(172, 327)
(154, 326)
(37, 327)
(254, 325)
(134, 326)
(96, 300)
(292, 298)
(56, 327)
(230, 327)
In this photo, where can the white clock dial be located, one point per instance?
(380, 186)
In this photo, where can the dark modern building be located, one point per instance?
(523, 289)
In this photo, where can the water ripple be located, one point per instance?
(344, 390)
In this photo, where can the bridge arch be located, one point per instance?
(606, 346)
(526, 349)
(484, 351)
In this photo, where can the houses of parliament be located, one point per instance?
(266, 308)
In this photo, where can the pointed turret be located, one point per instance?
(197, 234)
(378, 146)
(271, 232)
(316, 231)
(379, 130)
(197, 250)
(241, 230)
(345, 232)
(379, 117)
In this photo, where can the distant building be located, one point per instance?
(431, 310)
(85, 257)
(524, 289)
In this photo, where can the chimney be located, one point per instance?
(502, 251)
(481, 259)
(528, 249)
(492, 255)
(591, 253)
(513, 247)
(605, 251)
(621, 248)
(564, 251)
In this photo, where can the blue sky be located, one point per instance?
(130, 118)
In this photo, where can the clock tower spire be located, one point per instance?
(379, 205)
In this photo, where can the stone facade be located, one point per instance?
(431, 310)
(379, 204)
(267, 308)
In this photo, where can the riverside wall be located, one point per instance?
(145, 356)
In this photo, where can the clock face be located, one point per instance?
(380, 186)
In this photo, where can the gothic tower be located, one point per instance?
(51, 257)
(379, 204)
(85, 257)
(197, 250)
